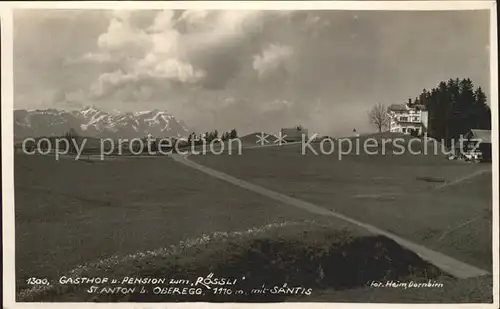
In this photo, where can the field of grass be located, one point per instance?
(73, 212)
(332, 263)
(321, 258)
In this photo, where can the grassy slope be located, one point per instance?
(253, 139)
(381, 190)
(73, 212)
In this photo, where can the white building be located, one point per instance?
(407, 120)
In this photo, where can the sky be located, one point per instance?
(250, 70)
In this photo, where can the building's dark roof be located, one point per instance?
(410, 122)
(404, 107)
(483, 135)
(419, 107)
(397, 107)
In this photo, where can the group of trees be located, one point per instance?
(454, 107)
(71, 137)
(210, 136)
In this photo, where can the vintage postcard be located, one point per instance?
(209, 154)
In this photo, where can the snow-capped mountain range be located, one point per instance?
(93, 122)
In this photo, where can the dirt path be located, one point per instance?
(447, 264)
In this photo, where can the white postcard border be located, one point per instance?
(7, 130)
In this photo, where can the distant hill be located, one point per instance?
(93, 122)
(254, 138)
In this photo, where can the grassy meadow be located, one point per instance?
(73, 213)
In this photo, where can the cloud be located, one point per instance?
(191, 48)
(272, 58)
(121, 34)
(146, 55)
(108, 83)
(67, 98)
(244, 68)
(169, 69)
(90, 57)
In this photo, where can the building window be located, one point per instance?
(404, 130)
(403, 119)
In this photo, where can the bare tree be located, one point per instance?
(378, 116)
